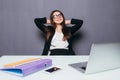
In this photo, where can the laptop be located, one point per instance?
(102, 57)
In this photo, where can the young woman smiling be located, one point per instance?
(58, 34)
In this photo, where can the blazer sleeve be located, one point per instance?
(77, 25)
(40, 23)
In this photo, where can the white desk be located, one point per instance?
(66, 72)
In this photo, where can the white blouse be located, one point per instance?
(57, 42)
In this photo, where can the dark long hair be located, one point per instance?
(65, 31)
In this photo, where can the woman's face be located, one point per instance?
(57, 17)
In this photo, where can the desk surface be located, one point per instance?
(66, 72)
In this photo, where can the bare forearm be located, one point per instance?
(48, 21)
(67, 21)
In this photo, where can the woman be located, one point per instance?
(58, 34)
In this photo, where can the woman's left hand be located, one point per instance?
(67, 21)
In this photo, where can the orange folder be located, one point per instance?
(13, 64)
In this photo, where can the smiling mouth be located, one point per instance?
(58, 20)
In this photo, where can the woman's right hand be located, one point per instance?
(48, 21)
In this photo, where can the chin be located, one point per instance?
(58, 22)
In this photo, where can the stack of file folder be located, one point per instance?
(27, 66)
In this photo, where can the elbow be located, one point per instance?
(35, 20)
(82, 22)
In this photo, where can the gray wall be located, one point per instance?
(19, 34)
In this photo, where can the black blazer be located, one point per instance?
(40, 23)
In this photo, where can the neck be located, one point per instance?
(59, 28)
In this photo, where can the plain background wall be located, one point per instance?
(19, 34)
